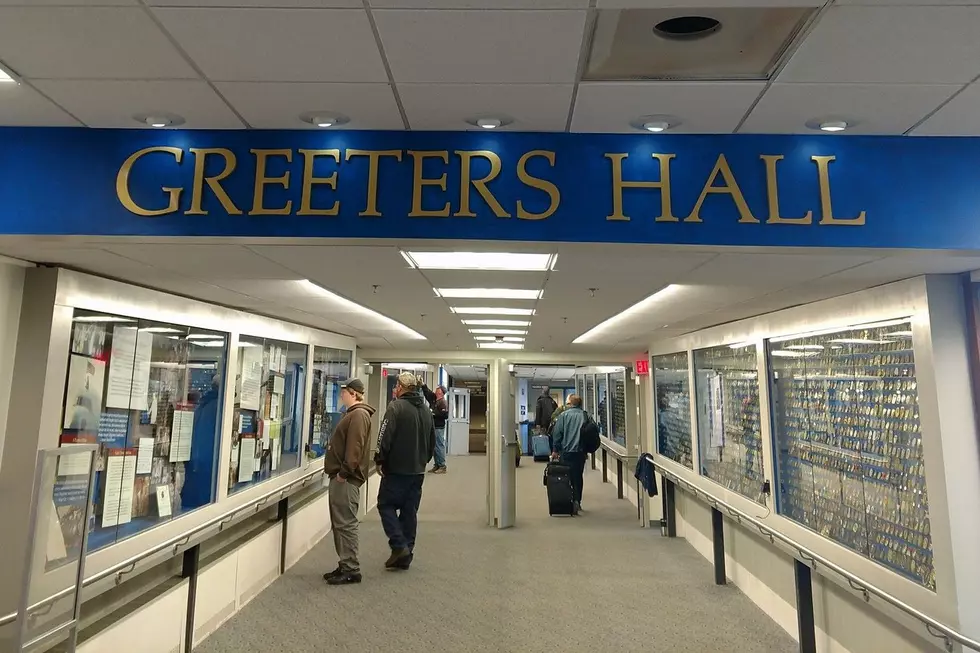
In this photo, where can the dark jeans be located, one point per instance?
(398, 504)
(576, 462)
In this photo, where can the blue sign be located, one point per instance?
(699, 190)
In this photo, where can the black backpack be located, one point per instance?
(589, 436)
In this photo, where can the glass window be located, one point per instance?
(617, 398)
(331, 367)
(588, 401)
(150, 394)
(601, 411)
(729, 432)
(673, 393)
(848, 442)
(268, 427)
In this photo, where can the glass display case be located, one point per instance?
(617, 403)
(848, 442)
(149, 394)
(673, 400)
(588, 401)
(331, 367)
(729, 428)
(579, 386)
(602, 403)
(269, 395)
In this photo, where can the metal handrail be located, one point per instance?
(129, 565)
(935, 628)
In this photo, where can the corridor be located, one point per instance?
(592, 583)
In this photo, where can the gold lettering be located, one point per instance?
(306, 201)
(730, 188)
(772, 193)
(261, 159)
(465, 179)
(666, 215)
(826, 210)
(419, 156)
(122, 183)
(536, 182)
(374, 156)
(201, 155)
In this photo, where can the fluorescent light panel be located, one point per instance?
(6, 77)
(638, 307)
(499, 332)
(491, 310)
(488, 293)
(503, 323)
(505, 338)
(500, 345)
(401, 328)
(480, 261)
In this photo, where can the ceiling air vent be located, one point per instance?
(693, 44)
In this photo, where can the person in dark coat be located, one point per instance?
(545, 406)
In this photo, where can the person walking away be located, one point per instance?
(440, 413)
(543, 409)
(346, 464)
(406, 444)
(566, 445)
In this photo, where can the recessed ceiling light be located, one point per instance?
(490, 310)
(637, 308)
(490, 122)
(499, 332)
(480, 261)
(833, 126)
(655, 124)
(499, 338)
(500, 345)
(346, 304)
(488, 293)
(324, 119)
(503, 323)
(159, 120)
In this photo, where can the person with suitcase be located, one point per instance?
(566, 446)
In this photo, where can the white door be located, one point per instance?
(458, 425)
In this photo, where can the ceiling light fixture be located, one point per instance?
(503, 323)
(490, 122)
(159, 120)
(636, 309)
(499, 338)
(491, 310)
(833, 126)
(655, 124)
(324, 119)
(480, 261)
(500, 345)
(499, 332)
(655, 127)
(488, 293)
(347, 304)
(7, 77)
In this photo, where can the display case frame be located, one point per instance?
(52, 295)
(608, 373)
(935, 306)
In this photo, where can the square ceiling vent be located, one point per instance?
(744, 43)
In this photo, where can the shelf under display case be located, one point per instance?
(729, 427)
(673, 401)
(848, 442)
(617, 402)
(331, 367)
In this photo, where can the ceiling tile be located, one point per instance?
(296, 45)
(271, 105)
(103, 103)
(898, 45)
(20, 105)
(208, 262)
(482, 46)
(960, 117)
(701, 107)
(448, 106)
(88, 43)
(868, 109)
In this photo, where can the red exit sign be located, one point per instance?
(643, 366)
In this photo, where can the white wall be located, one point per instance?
(11, 294)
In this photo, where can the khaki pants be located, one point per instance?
(344, 499)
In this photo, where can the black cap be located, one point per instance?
(353, 384)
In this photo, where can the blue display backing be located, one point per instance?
(916, 192)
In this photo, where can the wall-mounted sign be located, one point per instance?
(810, 191)
(642, 367)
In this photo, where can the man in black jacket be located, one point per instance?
(406, 442)
(440, 414)
(543, 409)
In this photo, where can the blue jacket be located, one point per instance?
(645, 474)
(565, 434)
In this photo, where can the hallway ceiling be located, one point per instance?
(887, 66)
(714, 285)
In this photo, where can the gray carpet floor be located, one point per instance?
(597, 582)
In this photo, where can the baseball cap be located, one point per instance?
(407, 380)
(353, 384)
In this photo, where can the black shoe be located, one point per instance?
(345, 578)
(336, 572)
(397, 556)
(404, 563)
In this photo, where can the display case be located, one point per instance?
(602, 403)
(331, 367)
(267, 429)
(149, 394)
(588, 401)
(673, 404)
(617, 411)
(848, 442)
(729, 427)
(579, 385)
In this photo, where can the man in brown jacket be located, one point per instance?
(346, 463)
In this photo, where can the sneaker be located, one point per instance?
(439, 470)
(397, 555)
(336, 572)
(345, 578)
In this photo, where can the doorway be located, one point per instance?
(467, 384)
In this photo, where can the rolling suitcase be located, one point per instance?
(558, 481)
(541, 448)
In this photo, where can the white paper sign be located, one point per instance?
(129, 369)
(74, 464)
(251, 378)
(276, 453)
(120, 476)
(164, 508)
(246, 465)
(279, 385)
(144, 460)
(265, 428)
(181, 436)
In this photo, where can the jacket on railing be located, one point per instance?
(644, 473)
